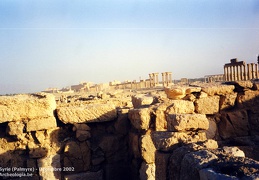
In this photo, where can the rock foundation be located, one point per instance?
(193, 132)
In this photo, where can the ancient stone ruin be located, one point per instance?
(201, 131)
(239, 70)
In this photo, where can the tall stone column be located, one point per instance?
(163, 78)
(169, 78)
(231, 73)
(226, 74)
(234, 73)
(253, 70)
(151, 77)
(156, 82)
(242, 72)
(238, 73)
(256, 71)
(245, 72)
(249, 72)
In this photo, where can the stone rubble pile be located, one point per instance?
(204, 131)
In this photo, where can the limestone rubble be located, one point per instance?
(201, 131)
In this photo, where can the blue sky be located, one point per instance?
(59, 43)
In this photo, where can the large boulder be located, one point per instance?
(88, 113)
(217, 89)
(141, 100)
(26, 107)
(175, 92)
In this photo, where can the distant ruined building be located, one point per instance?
(214, 78)
(239, 70)
(236, 71)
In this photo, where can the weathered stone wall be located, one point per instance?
(193, 132)
(222, 116)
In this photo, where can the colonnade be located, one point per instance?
(153, 79)
(213, 78)
(166, 78)
(236, 71)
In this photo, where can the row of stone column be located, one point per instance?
(213, 78)
(153, 77)
(241, 72)
(166, 79)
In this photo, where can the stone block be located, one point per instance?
(35, 151)
(217, 89)
(41, 124)
(160, 122)
(88, 113)
(82, 135)
(212, 131)
(249, 100)
(175, 92)
(40, 135)
(147, 148)
(195, 161)
(140, 118)
(233, 124)
(227, 101)
(240, 86)
(15, 128)
(203, 95)
(209, 105)
(161, 163)
(25, 107)
(187, 122)
(233, 151)
(85, 176)
(209, 144)
(147, 171)
(168, 141)
(141, 100)
(180, 107)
